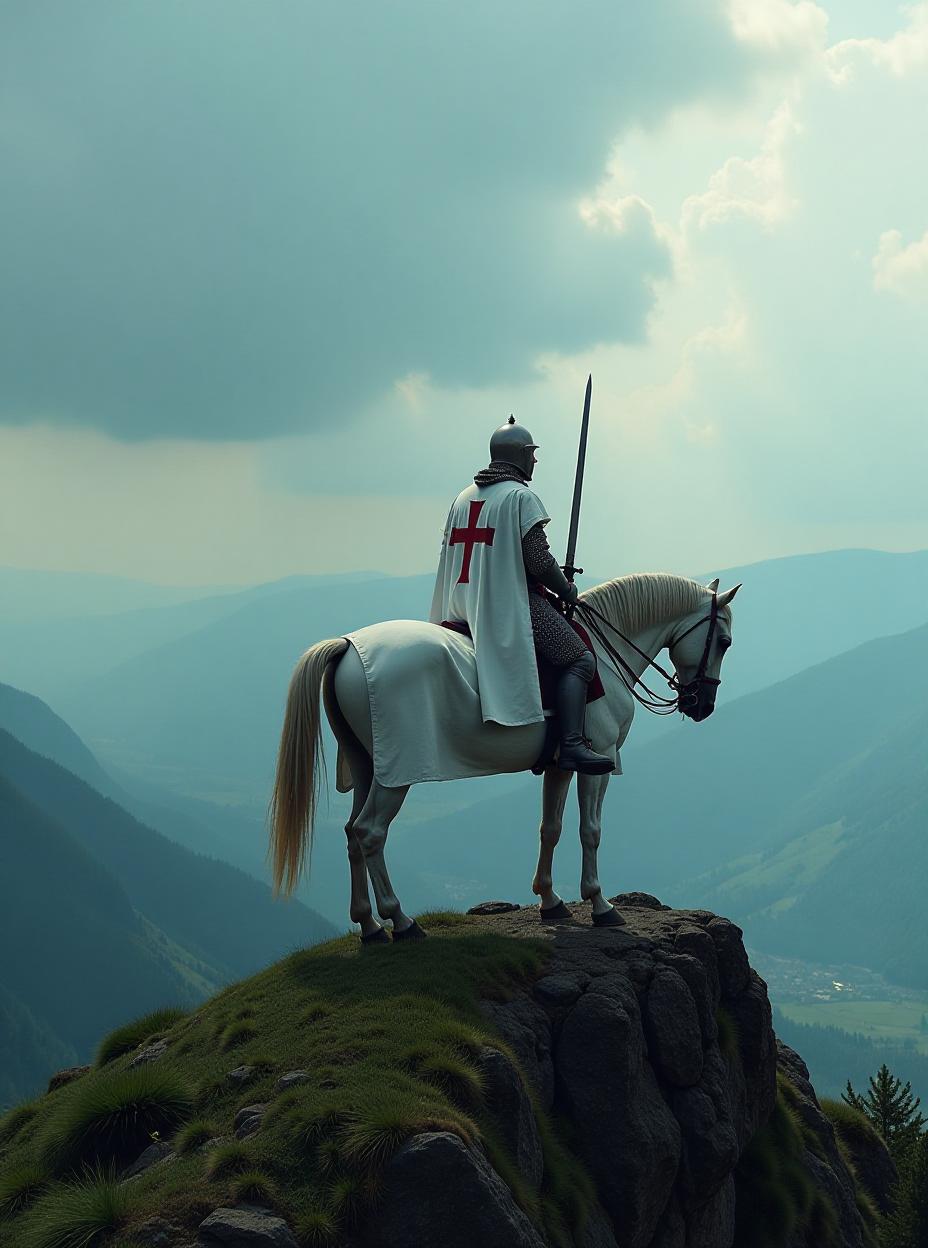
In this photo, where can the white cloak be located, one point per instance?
(481, 582)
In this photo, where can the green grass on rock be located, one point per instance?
(130, 1036)
(391, 1036)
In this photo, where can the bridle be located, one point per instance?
(687, 695)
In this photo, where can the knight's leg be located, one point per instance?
(557, 642)
(591, 791)
(371, 828)
(554, 795)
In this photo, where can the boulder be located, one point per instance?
(152, 1156)
(438, 1191)
(248, 1121)
(561, 989)
(150, 1053)
(641, 901)
(526, 1028)
(509, 1102)
(292, 1078)
(241, 1074)
(68, 1075)
(734, 968)
(247, 1226)
(494, 907)
(628, 1135)
(671, 1025)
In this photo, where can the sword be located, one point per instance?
(570, 568)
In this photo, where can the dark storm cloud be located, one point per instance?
(227, 219)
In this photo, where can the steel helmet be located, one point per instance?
(513, 444)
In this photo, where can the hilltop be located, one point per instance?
(503, 1082)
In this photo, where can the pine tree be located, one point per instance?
(907, 1225)
(892, 1110)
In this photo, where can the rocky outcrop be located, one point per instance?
(622, 1036)
(651, 1043)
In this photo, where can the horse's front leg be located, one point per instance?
(554, 795)
(591, 791)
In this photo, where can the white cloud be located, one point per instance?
(675, 399)
(905, 52)
(901, 270)
(779, 25)
(753, 190)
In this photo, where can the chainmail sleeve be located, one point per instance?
(536, 553)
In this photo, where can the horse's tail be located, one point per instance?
(300, 766)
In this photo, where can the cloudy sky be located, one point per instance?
(273, 271)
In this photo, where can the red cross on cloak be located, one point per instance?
(470, 537)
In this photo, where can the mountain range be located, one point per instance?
(102, 917)
(798, 809)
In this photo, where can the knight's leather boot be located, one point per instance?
(575, 753)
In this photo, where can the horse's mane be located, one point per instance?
(639, 601)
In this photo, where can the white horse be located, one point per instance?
(636, 616)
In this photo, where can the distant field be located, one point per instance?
(892, 1021)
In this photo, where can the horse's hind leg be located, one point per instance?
(360, 908)
(371, 828)
(362, 773)
(554, 795)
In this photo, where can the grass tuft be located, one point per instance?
(850, 1124)
(254, 1187)
(12, 1123)
(349, 1197)
(113, 1117)
(229, 1159)
(127, 1038)
(384, 1123)
(318, 1228)
(20, 1188)
(194, 1135)
(79, 1214)
(237, 1033)
(460, 1081)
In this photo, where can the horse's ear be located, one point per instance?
(725, 599)
(714, 586)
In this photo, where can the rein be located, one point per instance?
(654, 702)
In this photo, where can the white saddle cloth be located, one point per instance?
(425, 707)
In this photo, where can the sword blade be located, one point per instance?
(569, 566)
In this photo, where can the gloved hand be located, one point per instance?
(571, 595)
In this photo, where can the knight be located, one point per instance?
(494, 578)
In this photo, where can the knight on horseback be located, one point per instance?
(498, 581)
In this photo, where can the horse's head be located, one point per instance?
(697, 646)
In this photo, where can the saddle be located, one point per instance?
(548, 677)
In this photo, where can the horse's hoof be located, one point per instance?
(413, 932)
(555, 914)
(608, 918)
(379, 937)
